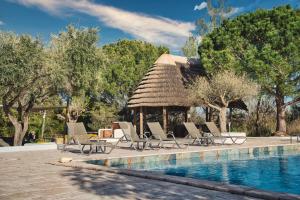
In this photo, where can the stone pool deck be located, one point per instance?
(28, 175)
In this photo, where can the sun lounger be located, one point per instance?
(226, 137)
(78, 129)
(158, 134)
(131, 136)
(195, 134)
(78, 134)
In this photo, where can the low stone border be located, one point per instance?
(202, 155)
(29, 147)
(210, 185)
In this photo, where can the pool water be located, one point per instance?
(278, 173)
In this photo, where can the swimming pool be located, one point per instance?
(280, 173)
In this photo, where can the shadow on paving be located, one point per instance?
(126, 187)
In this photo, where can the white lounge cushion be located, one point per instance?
(118, 133)
(111, 140)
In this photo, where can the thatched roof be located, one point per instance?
(165, 83)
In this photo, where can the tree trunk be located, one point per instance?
(72, 114)
(20, 123)
(257, 132)
(68, 115)
(223, 119)
(20, 129)
(280, 115)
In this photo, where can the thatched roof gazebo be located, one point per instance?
(165, 85)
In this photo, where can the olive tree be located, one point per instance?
(220, 90)
(75, 52)
(26, 79)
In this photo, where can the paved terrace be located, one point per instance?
(26, 175)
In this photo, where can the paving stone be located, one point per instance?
(27, 175)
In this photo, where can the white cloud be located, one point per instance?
(234, 11)
(1, 23)
(158, 30)
(200, 6)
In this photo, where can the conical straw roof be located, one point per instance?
(165, 83)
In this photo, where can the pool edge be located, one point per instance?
(230, 152)
(210, 185)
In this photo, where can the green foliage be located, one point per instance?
(100, 116)
(23, 67)
(190, 47)
(217, 12)
(260, 120)
(126, 63)
(223, 88)
(266, 44)
(195, 116)
(293, 127)
(265, 127)
(6, 128)
(53, 126)
(75, 52)
(25, 80)
(294, 113)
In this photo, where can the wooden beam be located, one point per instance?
(165, 119)
(141, 122)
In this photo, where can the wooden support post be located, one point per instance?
(207, 114)
(165, 119)
(134, 118)
(186, 115)
(141, 122)
(230, 119)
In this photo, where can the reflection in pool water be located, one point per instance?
(279, 173)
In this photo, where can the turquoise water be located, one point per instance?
(279, 173)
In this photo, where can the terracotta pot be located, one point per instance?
(107, 133)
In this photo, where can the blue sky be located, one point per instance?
(162, 22)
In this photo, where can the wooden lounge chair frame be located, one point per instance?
(196, 135)
(159, 134)
(216, 134)
(131, 136)
(78, 134)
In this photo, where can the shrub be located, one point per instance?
(294, 127)
(100, 116)
(6, 128)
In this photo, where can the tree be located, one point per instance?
(127, 61)
(219, 91)
(217, 13)
(266, 45)
(25, 80)
(190, 48)
(75, 52)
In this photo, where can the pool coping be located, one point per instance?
(210, 185)
(253, 151)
